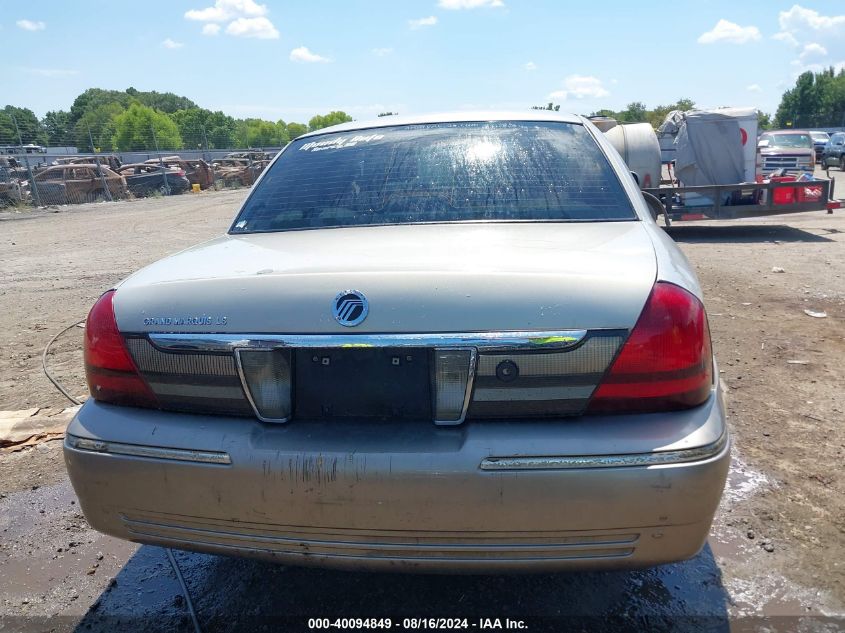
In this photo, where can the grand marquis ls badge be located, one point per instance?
(350, 308)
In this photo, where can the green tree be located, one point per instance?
(198, 126)
(296, 129)
(282, 133)
(220, 130)
(635, 112)
(142, 128)
(57, 126)
(162, 101)
(816, 100)
(94, 98)
(335, 117)
(684, 105)
(96, 124)
(256, 133)
(764, 121)
(30, 129)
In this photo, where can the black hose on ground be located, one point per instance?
(47, 373)
(188, 602)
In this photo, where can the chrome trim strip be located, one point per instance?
(248, 393)
(567, 462)
(475, 342)
(155, 452)
(483, 341)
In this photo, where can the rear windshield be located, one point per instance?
(448, 172)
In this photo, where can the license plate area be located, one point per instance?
(372, 382)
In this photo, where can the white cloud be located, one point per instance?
(50, 72)
(799, 19)
(225, 10)
(820, 38)
(30, 25)
(580, 87)
(754, 88)
(530, 66)
(469, 4)
(785, 36)
(423, 22)
(800, 67)
(382, 52)
(168, 43)
(730, 32)
(812, 50)
(245, 18)
(302, 54)
(260, 28)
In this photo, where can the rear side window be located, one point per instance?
(448, 172)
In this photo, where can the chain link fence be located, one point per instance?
(135, 161)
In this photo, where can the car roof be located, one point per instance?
(450, 117)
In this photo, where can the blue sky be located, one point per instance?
(292, 59)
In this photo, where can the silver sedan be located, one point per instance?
(444, 343)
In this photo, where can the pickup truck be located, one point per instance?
(785, 149)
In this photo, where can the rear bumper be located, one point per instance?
(592, 492)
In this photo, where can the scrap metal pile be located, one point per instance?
(98, 177)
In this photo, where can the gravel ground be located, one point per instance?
(776, 549)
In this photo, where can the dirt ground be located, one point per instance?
(777, 548)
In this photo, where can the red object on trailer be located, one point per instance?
(783, 195)
(809, 194)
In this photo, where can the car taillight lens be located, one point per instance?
(666, 364)
(111, 374)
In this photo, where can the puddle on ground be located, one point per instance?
(754, 589)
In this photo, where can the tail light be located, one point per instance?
(111, 374)
(180, 173)
(666, 364)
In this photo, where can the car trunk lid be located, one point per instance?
(422, 278)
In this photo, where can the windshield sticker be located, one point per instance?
(340, 143)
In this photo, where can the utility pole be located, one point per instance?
(207, 160)
(204, 142)
(166, 187)
(99, 167)
(26, 160)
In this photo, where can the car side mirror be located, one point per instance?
(636, 178)
(654, 204)
(762, 144)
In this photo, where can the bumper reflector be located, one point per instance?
(452, 371)
(266, 377)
